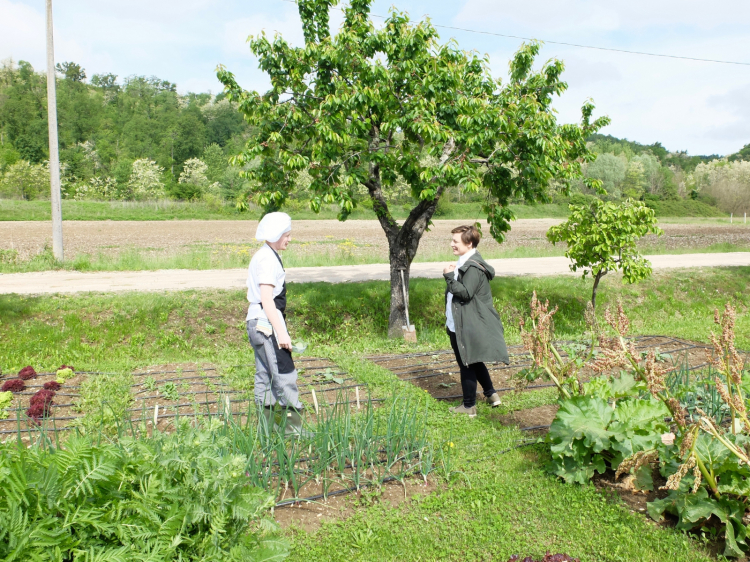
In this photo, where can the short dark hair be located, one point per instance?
(469, 234)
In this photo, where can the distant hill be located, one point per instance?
(681, 160)
(742, 154)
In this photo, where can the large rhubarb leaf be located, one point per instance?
(582, 418)
(638, 425)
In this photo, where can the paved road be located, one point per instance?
(47, 282)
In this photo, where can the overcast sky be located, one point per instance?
(700, 107)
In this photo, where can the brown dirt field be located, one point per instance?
(165, 238)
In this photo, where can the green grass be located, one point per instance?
(16, 210)
(684, 208)
(497, 502)
(308, 254)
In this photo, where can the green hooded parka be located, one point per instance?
(479, 329)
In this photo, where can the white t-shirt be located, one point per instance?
(449, 323)
(265, 269)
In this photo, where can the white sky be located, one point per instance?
(700, 107)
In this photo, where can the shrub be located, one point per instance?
(13, 385)
(27, 373)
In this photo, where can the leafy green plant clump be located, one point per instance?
(170, 497)
(602, 237)
(5, 400)
(64, 374)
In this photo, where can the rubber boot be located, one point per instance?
(294, 425)
(266, 422)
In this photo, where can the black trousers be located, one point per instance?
(470, 375)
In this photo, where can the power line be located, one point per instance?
(642, 53)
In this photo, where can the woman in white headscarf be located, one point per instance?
(275, 373)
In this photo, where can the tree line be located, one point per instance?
(141, 140)
(134, 139)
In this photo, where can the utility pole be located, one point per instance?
(54, 150)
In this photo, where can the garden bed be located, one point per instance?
(164, 393)
(437, 372)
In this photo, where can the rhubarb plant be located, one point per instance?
(548, 363)
(637, 422)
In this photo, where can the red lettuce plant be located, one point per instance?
(52, 385)
(27, 373)
(40, 404)
(13, 385)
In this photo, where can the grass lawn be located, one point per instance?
(496, 503)
(15, 210)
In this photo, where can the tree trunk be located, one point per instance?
(403, 244)
(403, 241)
(597, 278)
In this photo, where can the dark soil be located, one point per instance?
(438, 374)
(309, 516)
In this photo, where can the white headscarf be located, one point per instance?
(272, 226)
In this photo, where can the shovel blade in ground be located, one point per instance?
(410, 333)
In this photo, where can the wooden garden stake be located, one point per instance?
(315, 401)
(156, 415)
(356, 391)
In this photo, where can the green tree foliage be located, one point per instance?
(71, 71)
(23, 180)
(727, 182)
(145, 181)
(679, 160)
(372, 104)
(742, 154)
(610, 170)
(104, 126)
(603, 236)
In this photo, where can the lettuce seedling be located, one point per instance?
(64, 375)
(13, 385)
(27, 373)
(5, 400)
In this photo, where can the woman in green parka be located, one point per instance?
(474, 326)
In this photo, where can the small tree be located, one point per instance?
(24, 180)
(145, 180)
(193, 182)
(373, 106)
(602, 237)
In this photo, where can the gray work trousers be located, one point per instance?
(271, 387)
